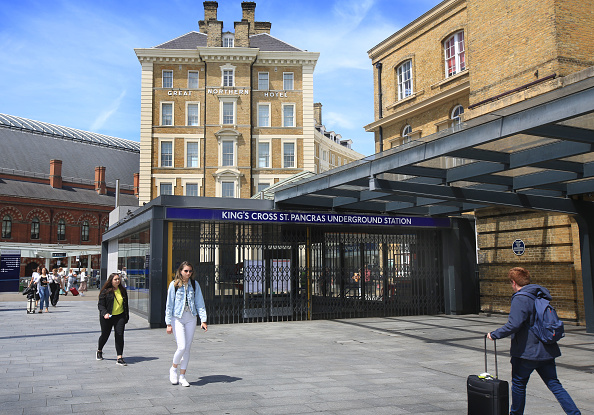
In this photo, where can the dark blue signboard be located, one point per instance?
(304, 217)
(518, 247)
(10, 270)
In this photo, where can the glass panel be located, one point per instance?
(166, 154)
(264, 155)
(228, 189)
(133, 260)
(165, 189)
(288, 81)
(192, 114)
(167, 114)
(228, 113)
(263, 116)
(288, 116)
(191, 189)
(192, 155)
(193, 79)
(167, 79)
(263, 81)
(228, 159)
(289, 154)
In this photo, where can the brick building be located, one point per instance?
(57, 188)
(226, 114)
(467, 58)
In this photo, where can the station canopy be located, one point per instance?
(536, 154)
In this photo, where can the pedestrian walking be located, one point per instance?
(113, 313)
(34, 283)
(83, 282)
(43, 290)
(528, 353)
(54, 285)
(184, 303)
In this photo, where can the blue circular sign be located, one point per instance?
(518, 247)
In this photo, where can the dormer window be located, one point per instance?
(228, 40)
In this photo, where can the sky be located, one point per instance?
(72, 62)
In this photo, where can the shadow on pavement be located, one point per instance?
(205, 380)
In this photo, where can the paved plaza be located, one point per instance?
(396, 365)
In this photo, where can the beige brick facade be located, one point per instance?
(512, 51)
(239, 87)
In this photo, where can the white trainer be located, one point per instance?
(183, 381)
(173, 375)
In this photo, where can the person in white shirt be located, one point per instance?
(34, 280)
(83, 282)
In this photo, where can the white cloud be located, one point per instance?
(104, 116)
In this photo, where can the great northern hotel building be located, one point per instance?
(227, 114)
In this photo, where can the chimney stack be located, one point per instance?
(100, 185)
(210, 14)
(261, 27)
(318, 113)
(56, 174)
(249, 13)
(136, 184)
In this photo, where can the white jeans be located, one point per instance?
(183, 330)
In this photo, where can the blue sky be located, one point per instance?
(72, 62)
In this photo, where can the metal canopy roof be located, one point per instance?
(536, 154)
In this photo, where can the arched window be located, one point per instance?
(456, 114)
(61, 230)
(35, 228)
(406, 132)
(404, 73)
(84, 232)
(6, 226)
(454, 54)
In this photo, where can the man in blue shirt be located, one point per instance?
(527, 352)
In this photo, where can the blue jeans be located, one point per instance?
(521, 370)
(43, 297)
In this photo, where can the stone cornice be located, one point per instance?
(435, 100)
(287, 58)
(220, 54)
(167, 55)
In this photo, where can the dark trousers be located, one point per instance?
(521, 370)
(54, 293)
(117, 323)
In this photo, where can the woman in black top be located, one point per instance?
(43, 288)
(113, 313)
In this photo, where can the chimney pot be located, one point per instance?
(56, 174)
(100, 185)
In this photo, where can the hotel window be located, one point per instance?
(61, 230)
(227, 189)
(166, 113)
(289, 155)
(264, 155)
(165, 189)
(167, 79)
(455, 58)
(404, 80)
(193, 111)
(166, 154)
(193, 79)
(456, 115)
(192, 154)
(84, 232)
(263, 81)
(6, 226)
(228, 77)
(406, 132)
(288, 81)
(192, 189)
(263, 186)
(263, 115)
(228, 40)
(228, 113)
(35, 228)
(288, 115)
(228, 153)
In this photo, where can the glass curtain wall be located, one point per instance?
(133, 261)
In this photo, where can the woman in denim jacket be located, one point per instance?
(184, 303)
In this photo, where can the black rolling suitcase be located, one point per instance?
(31, 306)
(487, 395)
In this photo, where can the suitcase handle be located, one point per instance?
(495, 350)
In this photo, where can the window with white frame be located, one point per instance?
(227, 189)
(191, 189)
(228, 115)
(166, 113)
(228, 40)
(288, 81)
(166, 154)
(165, 188)
(228, 153)
(406, 132)
(289, 155)
(193, 79)
(263, 81)
(457, 114)
(404, 72)
(454, 54)
(228, 77)
(193, 111)
(288, 115)
(264, 154)
(263, 186)
(263, 115)
(167, 79)
(192, 154)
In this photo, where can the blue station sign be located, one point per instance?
(519, 247)
(318, 218)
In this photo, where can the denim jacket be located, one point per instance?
(176, 302)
